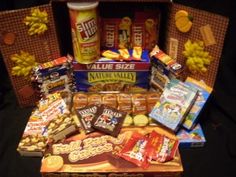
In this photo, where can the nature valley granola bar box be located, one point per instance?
(93, 155)
(112, 75)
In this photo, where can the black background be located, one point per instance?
(216, 159)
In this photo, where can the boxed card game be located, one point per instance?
(192, 138)
(204, 92)
(174, 105)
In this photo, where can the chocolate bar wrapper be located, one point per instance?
(204, 92)
(174, 105)
(108, 120)
(86, 115)
(191, 139)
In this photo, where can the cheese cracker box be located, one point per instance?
(95, 155)
(113, 75)
(204, 92)
(174, 104)
(193, 138)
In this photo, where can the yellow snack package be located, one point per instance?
(137, 53)
(111, 55)
(124, 53)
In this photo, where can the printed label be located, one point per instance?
(207, 35)
(87, 29)
(111, 77)
(173, 48)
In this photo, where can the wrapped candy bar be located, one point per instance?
(53, 76)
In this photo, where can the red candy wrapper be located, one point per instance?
(161, 148)
(135, 150)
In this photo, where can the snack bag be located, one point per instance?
(161, 148)
(135, 150)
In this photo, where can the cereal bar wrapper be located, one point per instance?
(135, 150)
(53, 76)
(174, 105)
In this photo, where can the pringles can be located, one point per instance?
(84, 31)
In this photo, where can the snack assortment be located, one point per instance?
(122, 102)
(140, 31)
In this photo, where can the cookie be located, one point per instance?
(128, 121)
(140, 120)
(52, 163)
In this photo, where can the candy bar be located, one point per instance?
(108, 120)
(86, 115)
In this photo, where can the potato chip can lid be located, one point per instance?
(82, 5)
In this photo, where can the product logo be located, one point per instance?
(107, 77)
(87, 29)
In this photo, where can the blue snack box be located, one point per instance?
(193, 138)
(174, 104)
(204, 92)
(108, 75)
